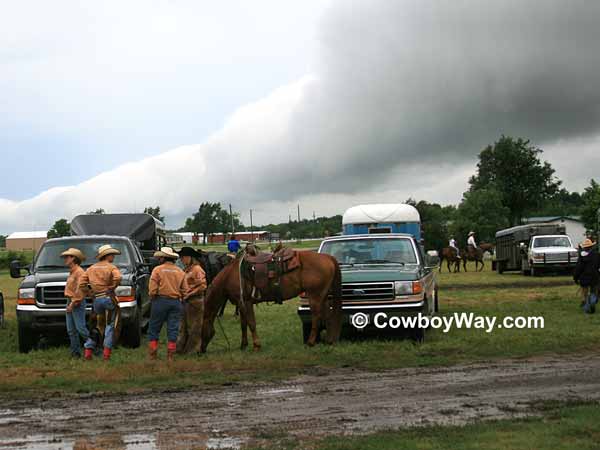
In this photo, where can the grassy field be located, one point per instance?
(566, 330)
(560, 427)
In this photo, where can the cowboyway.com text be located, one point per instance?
(446, 323)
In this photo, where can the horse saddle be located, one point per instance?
(265, 267)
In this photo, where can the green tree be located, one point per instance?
(154, 212)
(481, 211)
(563, 203)
(59, 229)
(591, 204)
(513, 168)
(2, 241)
(434, 222)
(211, 218)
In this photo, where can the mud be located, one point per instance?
(343, 401)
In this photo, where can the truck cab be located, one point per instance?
(41, 302)
(383, 269)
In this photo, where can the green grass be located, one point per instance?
(560, 427)
(567, 330)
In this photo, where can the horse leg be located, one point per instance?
(252, 325)
(244, 326)
(315, 312)
(464, 264)
(482, 265)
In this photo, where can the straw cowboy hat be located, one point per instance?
(471, 233)
(73, 252)
(189, 251)
(106, 250)
(166, 252)
(588, 243)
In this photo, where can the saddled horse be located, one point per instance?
(316, 275)
(476, 254)
(450, 255)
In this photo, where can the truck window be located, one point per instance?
(363, 251)
(552, 241)
(49, 256)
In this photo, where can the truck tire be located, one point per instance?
(132, 333)
(28, 339)
(500, 267)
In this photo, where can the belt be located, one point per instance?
(101, 295)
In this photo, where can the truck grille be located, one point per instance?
(368, 291)
(51, 296)
(559, 257)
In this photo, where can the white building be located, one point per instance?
(573, 225)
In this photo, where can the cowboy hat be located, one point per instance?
(76, 253)
(471, 233)
(189, 251)
(587, 243)
(166, 252)
(106, 250)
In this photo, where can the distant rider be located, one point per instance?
(587, 276)
(452, 243)
(471, 240)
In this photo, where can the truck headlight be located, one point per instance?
(407, 288)
(27, 293)
(537, 256)
(124, 291)
(574, 254)
(402, 288)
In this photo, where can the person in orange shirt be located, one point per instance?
(75, 316)
(167, 288)
(190, 331)
(102, 279)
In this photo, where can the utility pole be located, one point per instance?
(251, 228)
(231, 216)
(298, 212)
(314, 216)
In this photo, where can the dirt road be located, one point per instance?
(335, 402)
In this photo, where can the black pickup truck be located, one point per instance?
(41, 302)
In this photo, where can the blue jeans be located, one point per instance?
(101, 305)
(165, 310)
(77, 328)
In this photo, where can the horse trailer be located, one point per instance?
(534, 247)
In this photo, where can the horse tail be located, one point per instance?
(336, 299)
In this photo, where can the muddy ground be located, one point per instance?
(340, 402)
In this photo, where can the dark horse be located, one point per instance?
(450, 255)
(476, 254)
(317, 277)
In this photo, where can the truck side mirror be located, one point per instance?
(15, 269)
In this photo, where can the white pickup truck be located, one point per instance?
(549, 252)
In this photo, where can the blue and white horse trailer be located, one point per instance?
(382, 218)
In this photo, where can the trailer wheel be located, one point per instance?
(500, 267)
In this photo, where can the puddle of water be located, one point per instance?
(280, 391)
(223, 443)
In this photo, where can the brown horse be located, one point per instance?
(474, 254)
(317, 277)
(449, 254)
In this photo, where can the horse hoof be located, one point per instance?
(256, 348)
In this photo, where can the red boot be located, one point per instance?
(171, 348)
(152, 350)
(107, 352)
(87, 354)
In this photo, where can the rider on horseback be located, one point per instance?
(471, 240)
(452, 244)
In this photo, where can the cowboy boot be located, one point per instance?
(106, 354)
(171, 348)
(87, 354)
(152, 350)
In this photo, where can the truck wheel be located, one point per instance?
(500, 267)
(306, 327)
(28, 339)
(133, 331)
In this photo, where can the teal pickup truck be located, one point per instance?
(384, 270)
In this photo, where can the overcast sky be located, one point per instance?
(266, 104)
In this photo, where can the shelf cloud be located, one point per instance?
(402, 97)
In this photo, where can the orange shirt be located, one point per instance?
(102, 276)
(168, 280)
(73, 289)
(195, 278)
